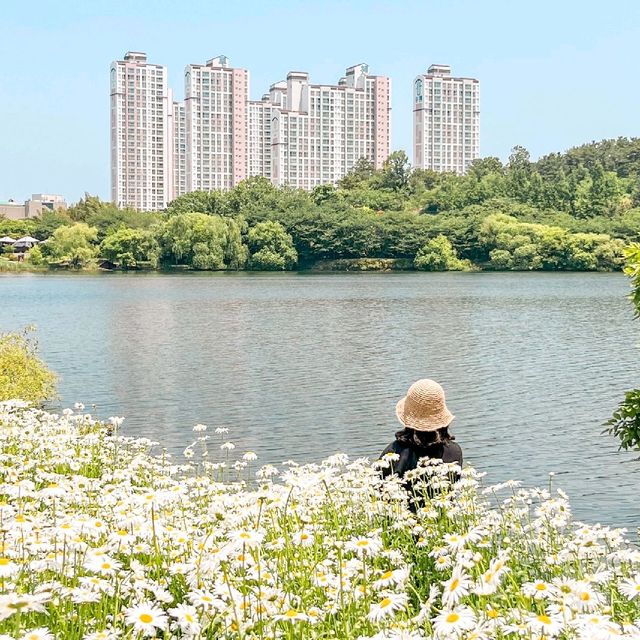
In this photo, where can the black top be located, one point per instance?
(410, 453)
(447, 451)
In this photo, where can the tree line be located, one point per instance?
(567, 211)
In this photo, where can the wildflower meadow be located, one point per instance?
(105, 536)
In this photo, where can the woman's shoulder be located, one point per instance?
(397, 446)
(452, 452)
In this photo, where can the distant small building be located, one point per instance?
(33, 207)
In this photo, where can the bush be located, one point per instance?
(439, 255)
(22, 374)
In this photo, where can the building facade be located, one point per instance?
(318, 132)
(32, 208)
(299, 134)
(216, 104)
(141, 143)
(446, 119)
(179, 135)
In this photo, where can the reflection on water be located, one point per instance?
(300, 366)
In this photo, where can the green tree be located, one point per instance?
(129, 247)
(87, 207)
(201, 241)
(359, 176)
(439, 255)
(48, 222)
(209, 202)
(501, 259)
(74, 244)
(271, 247)
(395, 172)
(519, 172)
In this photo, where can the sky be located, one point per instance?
(553, 73)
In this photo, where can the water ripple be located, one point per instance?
(300, 366)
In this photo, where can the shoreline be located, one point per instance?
(345, 265)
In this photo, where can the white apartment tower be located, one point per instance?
(318, 132)
(216, 104)
(446, 117)
(141, 142)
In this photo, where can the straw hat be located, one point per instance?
(424, 408)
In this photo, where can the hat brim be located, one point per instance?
(429, 423)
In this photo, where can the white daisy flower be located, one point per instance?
(146, 618)
(187, 618)
(41, 633)
(456, 587)
(451, 622)
(390, 602)
(539, 589)
(630, 587)
(391, 577)
(545, 625)
(291, 615)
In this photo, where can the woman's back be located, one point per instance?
(410, 449)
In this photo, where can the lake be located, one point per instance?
(299, 366)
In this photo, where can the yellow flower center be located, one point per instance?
(454, 585)
(146, 618)
(541, 587)
(4, 562)
(386, 575)
(362, 543)
(492, 613)
(291, 613)
(544, 619)
(106, 565)
(585, 597)
(385, 603)
(453, 617)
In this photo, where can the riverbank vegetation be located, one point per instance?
(22, 373)
(105, 539)
(625, 422)
(569, 211)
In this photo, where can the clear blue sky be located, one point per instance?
(553, 73)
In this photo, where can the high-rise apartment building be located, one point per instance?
(259, 137)
(318, 132)
(179, 135)
(299, 135)
(216, 99)
(446, 118)
(141, 144)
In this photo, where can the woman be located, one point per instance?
(424, 414)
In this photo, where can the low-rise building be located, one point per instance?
(33, 207)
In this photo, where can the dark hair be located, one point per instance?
(423, 439)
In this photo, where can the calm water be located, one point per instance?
(301, 366)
